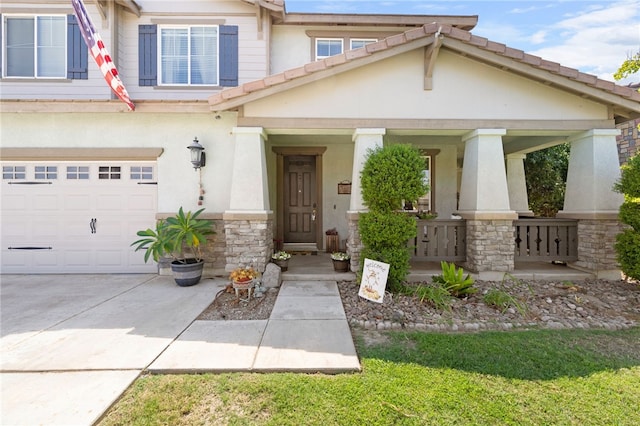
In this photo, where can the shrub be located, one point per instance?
(390, 175)
(627, 244)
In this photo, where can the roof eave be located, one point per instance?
(464, 22)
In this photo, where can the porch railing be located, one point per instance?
(546, 239)
(440, 239)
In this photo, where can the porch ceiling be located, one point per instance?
(513, 143)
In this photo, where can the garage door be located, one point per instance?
(76, 217)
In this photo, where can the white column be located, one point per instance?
(365, 139)
(249, 184)
(593, 169)
(518, 199)
(484, 193)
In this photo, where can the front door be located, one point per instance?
(300, 199)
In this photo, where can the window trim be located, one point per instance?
(315, 44)
(162, 84)
(33, 16)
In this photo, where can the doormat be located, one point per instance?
(305, 252)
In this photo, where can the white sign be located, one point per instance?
(374, 280)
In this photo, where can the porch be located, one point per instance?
(319, 267)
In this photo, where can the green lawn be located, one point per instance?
(568, 377)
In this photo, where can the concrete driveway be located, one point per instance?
(71, 344)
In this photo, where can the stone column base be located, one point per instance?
(354, 243)
(490, 245)
(249, 239)
(596, 252)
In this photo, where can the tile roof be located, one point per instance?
(411, 39)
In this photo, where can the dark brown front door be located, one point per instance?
(300, 200)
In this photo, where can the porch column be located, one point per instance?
(484, 203)
(593, 169)
(364, 139)
(248, 224)
(518, 197)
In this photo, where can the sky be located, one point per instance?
(594, 36)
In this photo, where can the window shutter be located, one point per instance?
(147, 55)
(228, 55)
(77, 51)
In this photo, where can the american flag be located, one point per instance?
(100, 54)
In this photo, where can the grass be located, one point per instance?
(566, 377)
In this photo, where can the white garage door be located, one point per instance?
(76, 217)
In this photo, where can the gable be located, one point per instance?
(463, 89)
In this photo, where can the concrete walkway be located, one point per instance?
(71, 345)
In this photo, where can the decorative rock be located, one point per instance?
(271, 276)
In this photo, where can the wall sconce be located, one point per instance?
(198, 157)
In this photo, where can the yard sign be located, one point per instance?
(374, 280)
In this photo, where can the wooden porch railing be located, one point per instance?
(440, 239)
(546, 239)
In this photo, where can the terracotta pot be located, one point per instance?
(243, 285)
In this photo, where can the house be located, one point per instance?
(286, 106)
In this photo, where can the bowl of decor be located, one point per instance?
(340, 261)
(281, 258)
(242, 277)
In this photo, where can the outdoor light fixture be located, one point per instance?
(198, 157)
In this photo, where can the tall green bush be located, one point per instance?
(390, 175)
(628, 242)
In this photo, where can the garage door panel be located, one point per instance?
(140, 202)
(78, 203)
(13, 202)
(46, 203)
(109, 258)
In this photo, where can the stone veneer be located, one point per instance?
(354, 243)
(596, 239)
(490, 245)
(249, 241)
(628, 140)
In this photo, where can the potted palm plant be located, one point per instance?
(181, 237)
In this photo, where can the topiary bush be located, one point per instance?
(628, 242)
(390, 175)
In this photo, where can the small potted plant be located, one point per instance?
(281, 258)
(340, 261)
(242, 277)
(173, 236)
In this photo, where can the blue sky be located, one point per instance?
(592, 36)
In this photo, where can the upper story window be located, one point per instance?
(35, 46)
(43, 46)
(189, 55)
(325, 47)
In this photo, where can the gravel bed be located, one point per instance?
(602, 304)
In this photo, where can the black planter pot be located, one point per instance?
(188, 273)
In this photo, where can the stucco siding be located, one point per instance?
(462, 88)
(177, 180)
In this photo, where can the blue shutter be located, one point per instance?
(147, 55)
(77, 51)
(228, 55)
